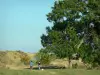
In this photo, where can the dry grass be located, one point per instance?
(12, 59)
(64, 63)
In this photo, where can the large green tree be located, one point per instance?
(84, 17)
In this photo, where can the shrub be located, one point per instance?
(74, 65)
(43, 58)
(25, 59)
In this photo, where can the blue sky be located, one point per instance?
(22, 22)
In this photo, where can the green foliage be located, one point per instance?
(44, 58)
(91, 54)
(25, 59)
(74, 21)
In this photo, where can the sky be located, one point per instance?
(22, 22)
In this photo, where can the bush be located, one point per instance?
(94, 65)
(25, 59)
(44, 58)
(74, 65)
(89, 67)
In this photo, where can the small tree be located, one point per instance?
(44, 58)
(25, 59)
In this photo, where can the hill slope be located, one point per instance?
(13, 58)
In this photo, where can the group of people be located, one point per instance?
(31, 65)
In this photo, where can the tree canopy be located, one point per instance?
(76, 26)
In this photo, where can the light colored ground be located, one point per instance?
(64, 63)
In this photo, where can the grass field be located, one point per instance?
(50, 72)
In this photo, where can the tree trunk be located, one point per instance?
(69, 62)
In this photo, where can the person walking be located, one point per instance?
(31, 65)
(39, 65)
